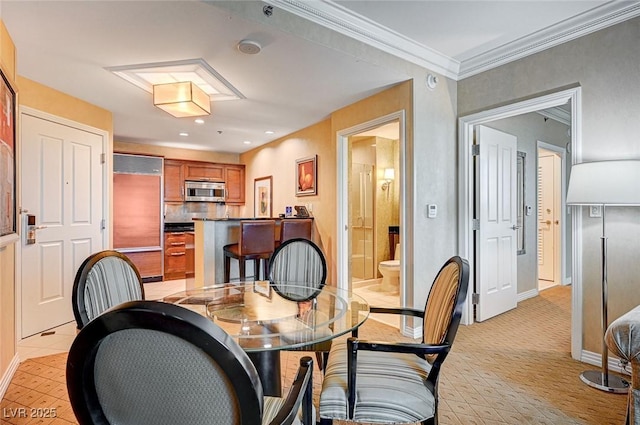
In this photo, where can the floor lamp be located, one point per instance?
(605, 183)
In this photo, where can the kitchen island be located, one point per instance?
(211, 235)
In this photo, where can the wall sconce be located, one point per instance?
(183, 99)
(388, 176)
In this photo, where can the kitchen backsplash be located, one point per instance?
(190, 210)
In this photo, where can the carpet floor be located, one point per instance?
(513, 369)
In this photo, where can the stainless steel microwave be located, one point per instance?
(195, 191)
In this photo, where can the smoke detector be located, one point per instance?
(249, 47)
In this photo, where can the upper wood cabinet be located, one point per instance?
(234, 178)
(173, 180)
(177, 171)
(204, 171)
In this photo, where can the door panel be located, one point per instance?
(546, 247)
(496, 251)
(62, 185)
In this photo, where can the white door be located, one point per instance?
(62, 185)
(496, 247)
(549, 169)
(545, 218)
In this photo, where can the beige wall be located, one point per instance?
(605, 65)
(36, 96)
(7, 253)
(278, 160)
(175, 153)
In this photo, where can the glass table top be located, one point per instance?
(261, 318)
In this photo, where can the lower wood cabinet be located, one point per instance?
(148, 263)
(178, 255)
(174, 255)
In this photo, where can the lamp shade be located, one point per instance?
(605, 183)
(183, 99)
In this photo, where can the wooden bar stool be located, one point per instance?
(295, 228)
(255, 242)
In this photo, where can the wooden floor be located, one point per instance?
(513, 369)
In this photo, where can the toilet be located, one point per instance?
(390, 271)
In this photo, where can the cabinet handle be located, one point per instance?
(177, 254)
(176, 233)
(177, 243)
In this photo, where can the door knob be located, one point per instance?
(514, 227)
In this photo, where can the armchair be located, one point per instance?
(386, 382)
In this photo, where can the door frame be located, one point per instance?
(107, 176)
(466, 126)
(562, 153)
(342, 147)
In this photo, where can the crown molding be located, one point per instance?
(337, 18)
(593, 20)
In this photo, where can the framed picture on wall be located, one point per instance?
(8, 225)
(262, 197)
(307, 176)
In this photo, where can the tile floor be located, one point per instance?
(370, 291)
(58, 340)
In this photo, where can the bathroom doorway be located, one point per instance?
(374, 215)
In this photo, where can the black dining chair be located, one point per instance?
(105, 279)
(149, 362)
(298, 272)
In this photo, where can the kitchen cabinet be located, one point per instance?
(234, 179)
(177, 171)
(204, 171)
(173, 180)
(175, 255)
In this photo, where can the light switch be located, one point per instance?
(432, 210)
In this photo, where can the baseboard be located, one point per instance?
(526, 295)
(595, 359)
(8, 375)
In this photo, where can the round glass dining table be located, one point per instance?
(265, 319)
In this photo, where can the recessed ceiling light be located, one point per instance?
(199, 121)
(246, 142)
(184, 134)
(269, 132)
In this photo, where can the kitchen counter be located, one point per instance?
(211, 235)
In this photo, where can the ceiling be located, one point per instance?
(292, 82)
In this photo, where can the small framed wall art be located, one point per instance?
(262, 197)
(307, 176)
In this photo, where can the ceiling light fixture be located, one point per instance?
(199, 121)
(249, 47)
(184, 134)
(183, 99)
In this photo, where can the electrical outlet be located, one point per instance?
(595, 211)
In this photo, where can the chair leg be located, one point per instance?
(227, 268)
(242, 267)
(324, 421)
(265, 266)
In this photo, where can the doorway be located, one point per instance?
(371, 206)
(549, 215)
(467, 200)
